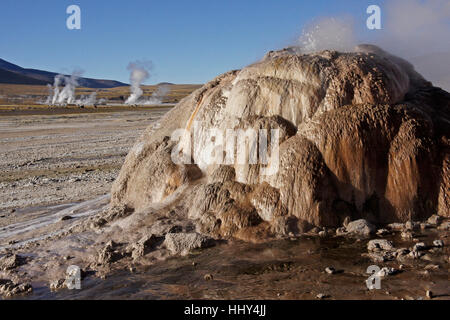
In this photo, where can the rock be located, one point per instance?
(415, 254)
(109, 254)
(386, 271)
(341, 231)
(360, 227)
(379, 244)
(382, 232)
(143, 246)
(431, 267)
(379, 256)
(332, 110)
(9, 288)
(396, 226)
(409, 226)
(11, 261)
(407, 235)
(322, 296)
(434, 219)
(182, 243)
(438, 243)
(330, 270)
(98, 223)
(65, 218)
(208, 277)
(445, 226)
(322, 233)
(419, 246)
(57, 284)
(429, 294)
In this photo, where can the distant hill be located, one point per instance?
(14, 74)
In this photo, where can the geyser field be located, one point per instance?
(361, 178)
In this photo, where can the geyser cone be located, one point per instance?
(362, 135)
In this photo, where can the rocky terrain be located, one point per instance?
(362, 181)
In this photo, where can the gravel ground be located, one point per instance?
(56, 159)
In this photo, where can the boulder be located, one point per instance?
(360, 227)
(183, 243)
(380, 244)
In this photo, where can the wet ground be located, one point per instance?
(283, 269)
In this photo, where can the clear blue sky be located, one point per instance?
(187, 41)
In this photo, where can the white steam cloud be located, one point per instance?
(336, 33)
(139, 72)
(158, 96)
(67, 94)
(415, 30)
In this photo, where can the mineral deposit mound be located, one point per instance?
(361, 135)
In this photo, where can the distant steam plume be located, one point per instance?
(139, 72)
(67, 94)
(158, 96)
(88, 100)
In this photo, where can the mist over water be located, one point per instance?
(418, 31)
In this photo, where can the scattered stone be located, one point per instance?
(9, 288)
(109, 254)
(409, 226)
(415, 254)
(182, 243)
(379, 256)
(321, 296)
(360, 227)
(208, 277)
(432, 267)
(429, 294)
(434, 219)
(426, 257)
(341, 231)
(407, 235)
(382, 232)
(380, 244)
(445, 226)
(11, 261)
(386, 271)
(322, 234)
(438, 243)
(57, 284)
(144, 245)
(420, 246)
(98, 223)
(395, 226)
(132, 269)
(330, 270)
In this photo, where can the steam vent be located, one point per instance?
(361, 135)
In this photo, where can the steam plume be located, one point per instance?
(412, 29)
(140, 71)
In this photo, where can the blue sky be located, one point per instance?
(187, 41)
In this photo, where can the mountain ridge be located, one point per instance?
(14, 74)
